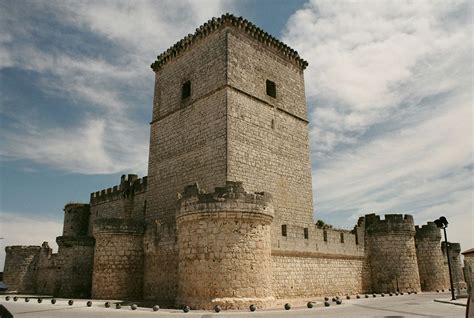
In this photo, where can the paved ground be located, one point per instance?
(420, 305)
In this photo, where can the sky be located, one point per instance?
(389, 90)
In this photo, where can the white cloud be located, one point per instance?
(390, 97)
(369, 57)
(17, 230)
(106, 90)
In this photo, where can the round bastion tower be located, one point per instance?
(19, 272)
(118, 259)
(430, 258)
(224, 248)
(75, 253)
(390, 246)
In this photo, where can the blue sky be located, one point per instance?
(388, 87)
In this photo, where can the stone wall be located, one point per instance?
(268, 144)
(74, 266)
(390, 248)
(126, 200)
(118, 259)
(430, 258)
(224, 248)
(308, 275)
(47, 272)
(20, 268)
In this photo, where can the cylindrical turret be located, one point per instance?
(224, 248)
(390, 246)
(20, 268)
(456, 264)
(430, 258)
(118, 259)
(76, 219)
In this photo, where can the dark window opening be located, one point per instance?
(144, 207)
(271, 89)
(306, 234)
(186, 90)
(342, 237)
(325, 236)
(283, 230)
(357, 238)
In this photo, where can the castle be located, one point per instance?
(225, 215)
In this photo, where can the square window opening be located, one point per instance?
(271, 89)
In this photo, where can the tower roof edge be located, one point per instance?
(218, 23)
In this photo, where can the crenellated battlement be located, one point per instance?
(392, 224)
(230, 198)
(129, 185)
(428, 231)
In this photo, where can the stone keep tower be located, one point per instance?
(390, 248)
(430, 258)
(229, 105)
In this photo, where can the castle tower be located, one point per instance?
(118, 259)
(456, 264)
(224, 248)
(46, 277)
(430, 258)
(390, 247)
(20, 268)
(75, 253)
(118, 226)
(229, 105)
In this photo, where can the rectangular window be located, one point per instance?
(271, 89)
(186, 90)
(306, 234)
(342, 237)
(283, 230)
(325, 235)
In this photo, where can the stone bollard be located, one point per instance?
(27, 300)
(348, 297)
(53, 301)
(89, 303)
(252, 307)
(358, 296)
(134, 306)
(338, 302)
(309, 304)
(366, 296)
(70, 302)
(382, 294)
(118, 306)
(326, 298)
(107, 304)
(156, 308)
(15, 298)
(287, 306)
(39, 300)
(186, 308)
(7, 298)
(217, 308)
(327, 304)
